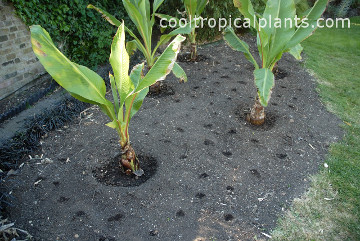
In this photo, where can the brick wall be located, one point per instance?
(18, 64)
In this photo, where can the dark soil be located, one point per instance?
(184, 58)
(280, 74)
(165, 90)
(112, 174)
(217, 177)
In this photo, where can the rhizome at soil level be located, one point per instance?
(216, 176)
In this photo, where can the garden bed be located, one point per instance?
(212, 175)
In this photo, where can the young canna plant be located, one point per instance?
(273, 40)
(194, 9)
(144, 20)
(128, 91)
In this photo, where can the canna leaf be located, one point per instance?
(77, 79)
(279, 37)
(156, 5)
(247, 10)
(113, 124)
(114, 93)
(137, 14)
(168, 18)
(296, 51)
(179, 73)
(166, 37)
(134, 102)
(190, 6)
(235, 43)
(131, 47)
(163, 65)
(264, 81)
(107, 16)
(119, 60)
(135, 75)
(304, 31)
(201, 6)
(81, 82)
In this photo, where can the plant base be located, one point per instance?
(193, 52)
(257, 114)
(129, 161)
(155, 88)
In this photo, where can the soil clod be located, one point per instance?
(256, 173)
(204, 175)
(230, 188)
(232, 132)
(281, 155)
(208, 142)
(180, 213)
(227, 153)
(208, 125)
(117, 217)
(80, 213)
(228, 217)
(153, 232)
(63, 199)
(200, 195)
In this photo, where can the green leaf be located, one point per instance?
(114, 93)
(131, 47)
(138, 16)
(167, 37)
(303, 32)
(156, 5)
(247, 10)
(111, 19)
(296, 51)
(76, 79)
(135, 74)
(138, 43)
(163, 65)
(119, 60)
(278, 37)
(201, 6)
(134, 102)
(113, 124)
(179, 73)
(168, 18)
(264, 81)
(235, 43)
(190, 6)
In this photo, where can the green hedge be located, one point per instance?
(79, 32)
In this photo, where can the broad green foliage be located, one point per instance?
(78, 32)
(85, 85)
(140, 14)
(214, 9)
(273, 41)
(194, 9)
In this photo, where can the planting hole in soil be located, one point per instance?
(280, 74)
(165, 90)
(270, 120)
(111, 173)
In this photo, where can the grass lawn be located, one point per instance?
(330, 210)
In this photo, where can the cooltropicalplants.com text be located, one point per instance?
(268, 22)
